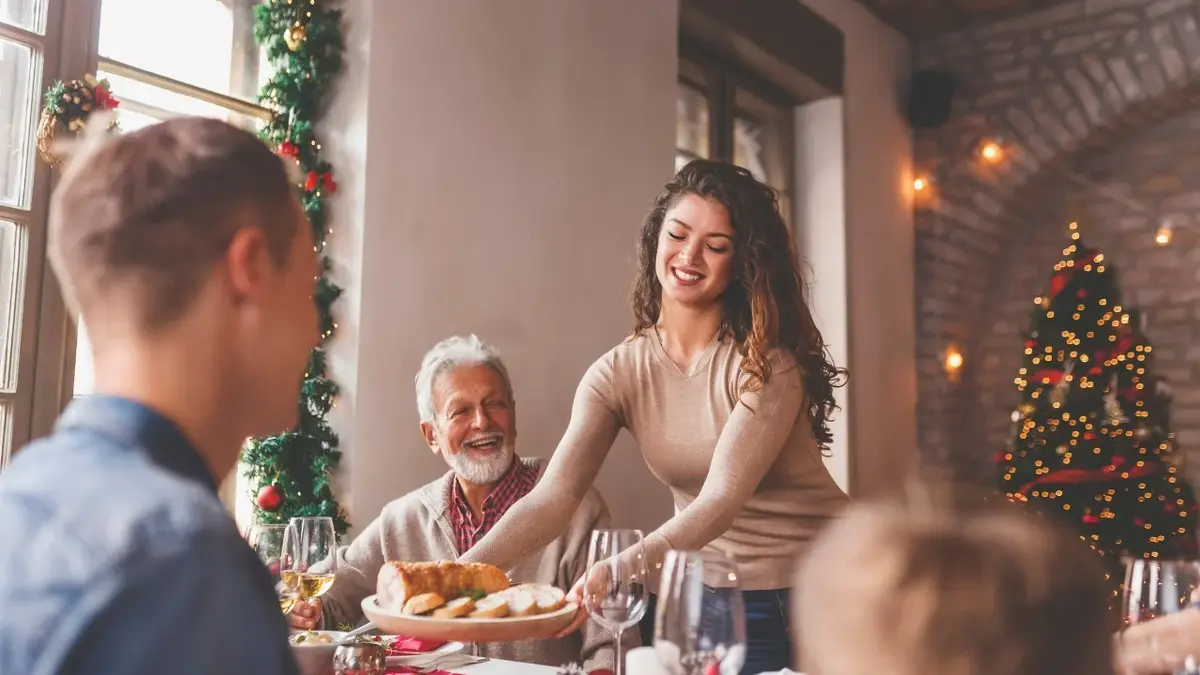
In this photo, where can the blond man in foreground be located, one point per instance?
(185, 249)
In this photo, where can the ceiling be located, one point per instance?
(922, 18)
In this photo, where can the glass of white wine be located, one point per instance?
(276, 548)
(316, 555)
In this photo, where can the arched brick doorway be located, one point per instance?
(1054, 86)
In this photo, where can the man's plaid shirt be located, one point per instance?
(513, 485)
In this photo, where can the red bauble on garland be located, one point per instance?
(316, 181)
(269, 498)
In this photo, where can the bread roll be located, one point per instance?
(491, 607)
(425, 602)
(455, 609)
(399, 582)
(522, 603)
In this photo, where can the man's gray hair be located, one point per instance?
(451, 354)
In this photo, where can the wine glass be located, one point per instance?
(1157, 591)
(316, 555)
(614, 590)
(275, 546)
(701, 617)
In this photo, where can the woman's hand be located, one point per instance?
(588, 591)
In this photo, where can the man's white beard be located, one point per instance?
(482, 470)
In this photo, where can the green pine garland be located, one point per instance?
(304, 39)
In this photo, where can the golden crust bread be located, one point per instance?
(491, 607)
(425, 602)
(448, 590)
(457, 608)
(522, 603)
(399, 582)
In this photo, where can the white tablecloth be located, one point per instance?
(499, 667)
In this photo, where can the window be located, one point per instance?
(23, 49)
(725, 113)
(183, 57)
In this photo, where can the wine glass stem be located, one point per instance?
(618, 662)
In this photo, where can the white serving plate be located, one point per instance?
(470, 630)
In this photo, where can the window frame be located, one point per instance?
(63, 48)
(719, 78)
(55, 354)
(49, 334)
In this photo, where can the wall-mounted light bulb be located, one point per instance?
(953, 361)
(991, 151)
(1163, 236)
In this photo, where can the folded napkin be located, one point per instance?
(405, 670)
(643, 661)
(411, 645)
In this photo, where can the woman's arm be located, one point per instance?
(536, 519)
(1161, 645)
(749, 444)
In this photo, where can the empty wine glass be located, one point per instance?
(1159, 589)
(316, 555)
(275, 546)
(701, 618)
(614, 591)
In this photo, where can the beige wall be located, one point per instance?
(496, 159)
(859, 228)
(510, 152)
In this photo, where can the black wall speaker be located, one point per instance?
(930, 96)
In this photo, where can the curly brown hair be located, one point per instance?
(765, 304)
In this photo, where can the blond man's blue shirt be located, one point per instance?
(118, 557)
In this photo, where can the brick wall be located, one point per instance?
(1085, 86)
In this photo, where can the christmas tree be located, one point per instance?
(1091, 442)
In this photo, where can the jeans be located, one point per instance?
(768, 638)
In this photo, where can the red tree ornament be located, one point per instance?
(269, 498)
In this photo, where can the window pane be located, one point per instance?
(762, 134)
(19, 78)
(85, 370)
(691, 121)
(27, 14)
(6, 425)
(207, 43)
(748, 149)
(144, 104)
(13, 251)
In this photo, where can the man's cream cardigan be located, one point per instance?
(417, 527)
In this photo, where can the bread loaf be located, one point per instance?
(399, 582)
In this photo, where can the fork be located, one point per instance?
(444, 662)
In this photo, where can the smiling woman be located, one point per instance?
(727, 388)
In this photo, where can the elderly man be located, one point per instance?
(468, 416)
